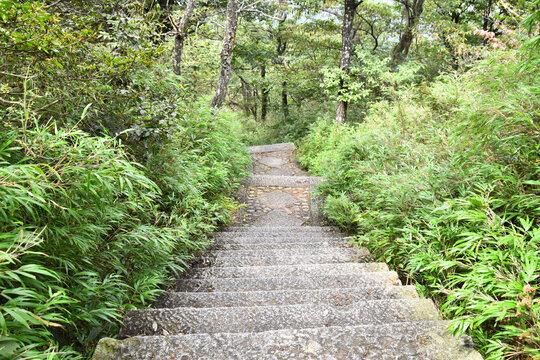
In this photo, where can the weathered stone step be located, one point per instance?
(188, 320)
(283, 229)
(426, 340)
(320, 245)
(271, 148)
(382, 278)
(290, 252)
(269, 259)
(275, 271)
(283, 180)
(279, 239)
(333, 297)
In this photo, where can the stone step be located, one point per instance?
(331, 297)
(269, 259)
(257, 238)
(289, 252)
(283, 180)
(275, 271)
(319, 245)
(313, 282)
(189, 320)
(426, 340)
(271, 148)
(283, 229)
(279, 234)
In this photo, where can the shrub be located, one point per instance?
(443, 185)
(87, 232)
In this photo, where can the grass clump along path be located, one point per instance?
(443, 184)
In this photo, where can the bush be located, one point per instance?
(87, 233)
(443, 185)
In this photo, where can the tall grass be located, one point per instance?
(86, 232)
(443, 185)
(111, 173)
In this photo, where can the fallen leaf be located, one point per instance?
(335, 295)
(366, 353)
(325, 313)
(165, 332)
(348, 298)
(154, 325)
(400, 316)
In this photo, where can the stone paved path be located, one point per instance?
(281, 286)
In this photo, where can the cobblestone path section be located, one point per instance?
(278, 285)
(279, 193)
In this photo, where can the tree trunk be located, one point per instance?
(281, 47)
(488, 20)
(265, 92)
(401, 50)
(346, 52)
(226, 54)
(245, 96)
(412, 15)
(177, 53)
(284, 100)
(181, 33)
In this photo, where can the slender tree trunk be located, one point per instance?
(226, 53)
(281, 47)
(401, 50)
(412, 15)
(254, 108)
(245, 96)
(347, 35)
(181, 33)
(248, 94)
(284, 100)
(177, 53)
(265, 92)
(488, 21)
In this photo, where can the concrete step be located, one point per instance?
(313, 282)
(277, 271)
(427, 340)
(271, 148)
(300, 239)
(188, 320)
(290, 252)
(283, 229)
(331, 297)
(283, 180)
(318, 245)
(268, 259)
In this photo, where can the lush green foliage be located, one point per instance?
(111, 173)
(113, 169)
(443, 185)
(86, 233)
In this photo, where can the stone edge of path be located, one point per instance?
(271, 148)
(282, 180)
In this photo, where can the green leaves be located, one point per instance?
(444, 188)
(85, 230)
(86, 233)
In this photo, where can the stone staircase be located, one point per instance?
(280, 286)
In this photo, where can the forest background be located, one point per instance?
(123, 132)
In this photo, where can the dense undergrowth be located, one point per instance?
(111, 174)
(443, 184)
(87, 232)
